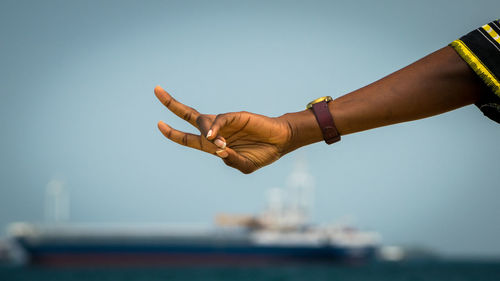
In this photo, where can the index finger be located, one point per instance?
(183, 111)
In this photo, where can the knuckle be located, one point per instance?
(187, 116)
(199, 121)
(168, 101)
(202, 119)
(221, 119)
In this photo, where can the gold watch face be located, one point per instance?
(326, 98)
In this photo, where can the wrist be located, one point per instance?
(304, 129)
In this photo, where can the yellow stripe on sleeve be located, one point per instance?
(477, 65)
(494, 35)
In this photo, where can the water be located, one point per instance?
(414, 271)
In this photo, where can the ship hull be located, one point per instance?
(139, 254)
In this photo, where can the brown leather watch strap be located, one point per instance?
(325, 121)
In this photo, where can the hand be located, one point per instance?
(244, 140)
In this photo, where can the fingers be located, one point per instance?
(220, 142)
(235, 160)
(183, 111)
(220, 121)
(229, 156)
(204, 123)
(186, 139)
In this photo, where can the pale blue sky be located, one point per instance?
(77, 104)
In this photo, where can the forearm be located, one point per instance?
(435, 84)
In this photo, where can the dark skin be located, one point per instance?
(435, 84)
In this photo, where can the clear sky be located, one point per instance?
(77, 105)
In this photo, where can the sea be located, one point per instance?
(412, 271)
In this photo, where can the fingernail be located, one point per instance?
(222, 153)
(209, 133)
(220, 143)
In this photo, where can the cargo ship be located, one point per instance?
(165, 245)
(281, 234)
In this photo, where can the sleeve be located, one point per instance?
(481, 50)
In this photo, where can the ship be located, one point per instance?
(281, 234)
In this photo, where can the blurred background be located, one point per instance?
(77, 109)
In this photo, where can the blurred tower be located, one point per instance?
(275, 212)
(301, 190)
(56, 202)
(289, 208)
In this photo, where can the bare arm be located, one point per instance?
(437, 83)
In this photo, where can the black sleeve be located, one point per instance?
(481, 50)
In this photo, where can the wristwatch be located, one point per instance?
(325, 119)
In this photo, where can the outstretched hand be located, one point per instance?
(244, 140)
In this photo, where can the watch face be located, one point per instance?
(326, 98)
